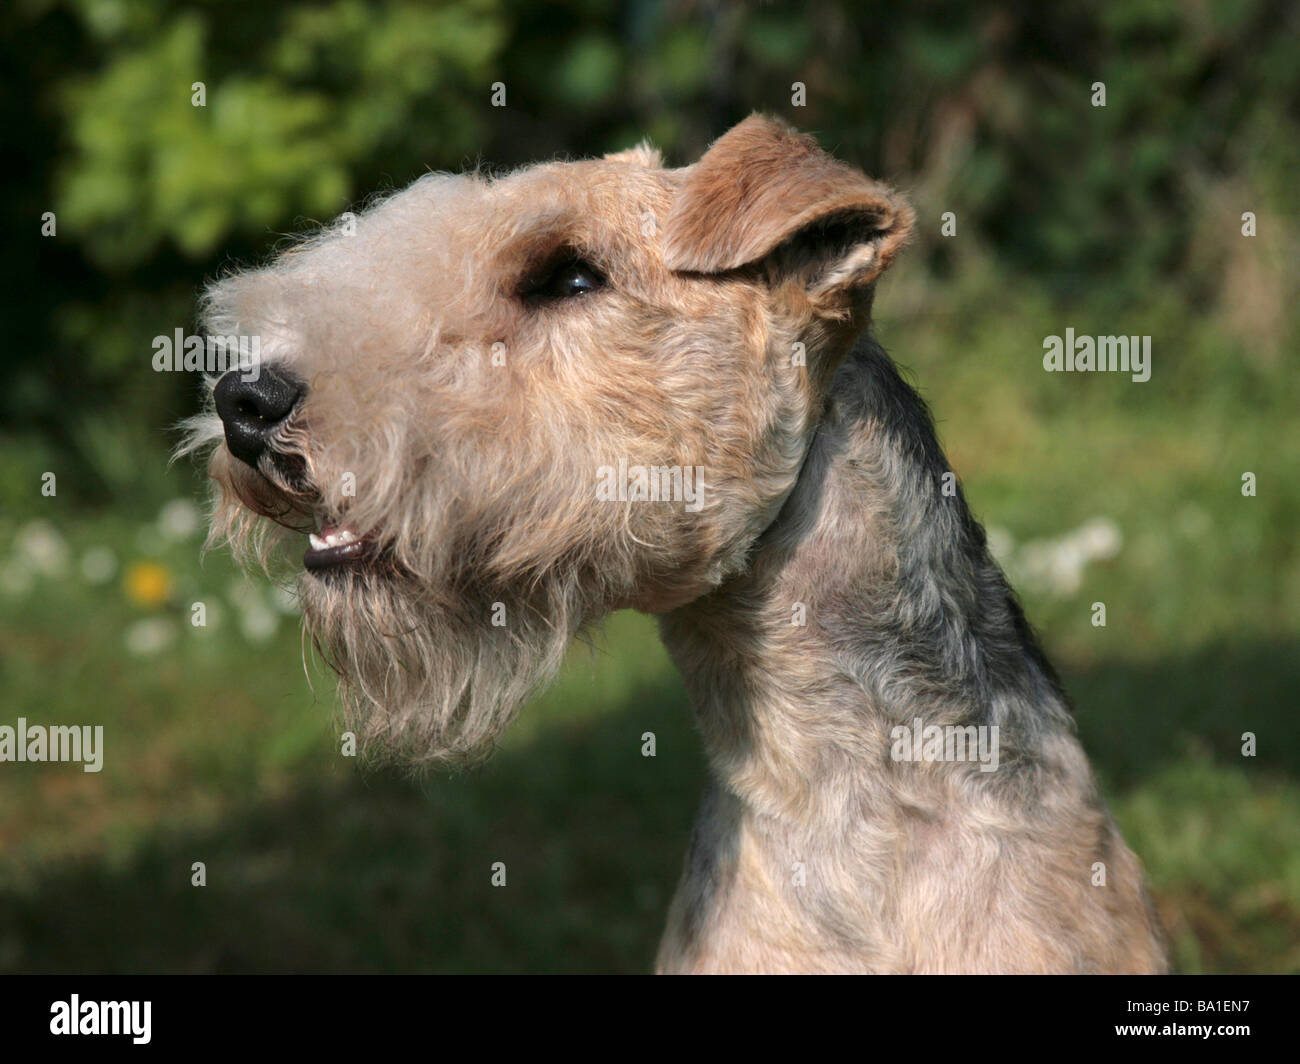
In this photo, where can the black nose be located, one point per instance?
(251, 409)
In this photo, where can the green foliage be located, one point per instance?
(1117, 219)
(172, 141)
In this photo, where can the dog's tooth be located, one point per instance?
(347, 536)
(316, 542)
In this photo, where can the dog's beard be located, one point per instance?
(426, 677)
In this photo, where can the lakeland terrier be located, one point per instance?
(503, 407)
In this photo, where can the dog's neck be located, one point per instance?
(823, 844)
(870, 603)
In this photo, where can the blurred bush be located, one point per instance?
(309, 107)
(1125, 218)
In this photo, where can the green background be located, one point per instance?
(221, 748)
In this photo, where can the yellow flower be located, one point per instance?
(148, 584)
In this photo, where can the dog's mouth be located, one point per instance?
(335, 546)
(338, 546)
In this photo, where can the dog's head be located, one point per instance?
(501, 408)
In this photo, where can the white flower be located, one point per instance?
(1056, 566)
(1099, 538)
(179, 519)
(258, 622)
(42, 548)
(1002, 544)
(98, 565)
(149, 637)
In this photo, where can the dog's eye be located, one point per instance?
(570, 277)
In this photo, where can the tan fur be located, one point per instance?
(474, 420)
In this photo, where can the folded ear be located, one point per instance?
(764, 186)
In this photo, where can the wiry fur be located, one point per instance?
(737, 289)
(913, 867)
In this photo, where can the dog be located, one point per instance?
(502, 408)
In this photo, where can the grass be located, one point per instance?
(220, 749)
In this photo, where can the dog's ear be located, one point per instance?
(765, 188)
